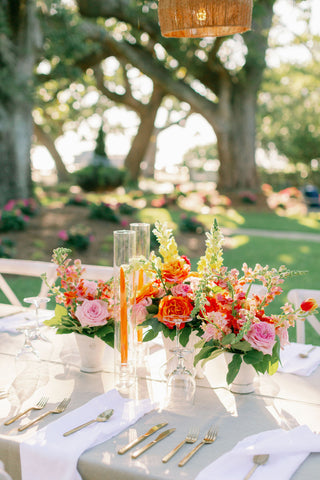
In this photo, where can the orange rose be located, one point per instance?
(174, 307)
(309, 305)
(175, 271)
(148, 290)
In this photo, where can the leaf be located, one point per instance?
(273, 367)
(204, 353)
(60, 311)
(152, 309)
(244, 346)
(150, 335)
(253, 357)
(233, 368)
(184, 335)
(228, 339)
(214, 354)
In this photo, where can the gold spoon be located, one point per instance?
(306, 355)
(102, 417)
(257, 460)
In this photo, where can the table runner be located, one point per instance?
(50, 456)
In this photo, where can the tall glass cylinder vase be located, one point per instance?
(124, 249)
(143, 251)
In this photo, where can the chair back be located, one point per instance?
(30, 268)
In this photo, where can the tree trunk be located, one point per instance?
(47, 142)
(141, 140)
(236, 144)
(15, 110)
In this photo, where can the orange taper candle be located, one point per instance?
(123, 319)
(140, 285)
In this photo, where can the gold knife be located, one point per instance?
(142, 437)
(159, 437)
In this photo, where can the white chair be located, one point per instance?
(296, 296)
(30, 268)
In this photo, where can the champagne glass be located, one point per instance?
(37, 301)
(181, 385)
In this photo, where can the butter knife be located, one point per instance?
(159, 437)
(142, 437)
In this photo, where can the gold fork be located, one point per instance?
(209, 438)
(192, 437)
(41, 403)
(59, 409)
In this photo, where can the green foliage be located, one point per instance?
(12, 220)
(288, 89)
(97, 178)
(191, 224)
(103, 211)
(78, 237)
(6, 248)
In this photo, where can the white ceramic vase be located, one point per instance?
(91, 352)
(243, 383)
(171, 359)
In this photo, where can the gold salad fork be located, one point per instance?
(209, 438)
(192, 437)
(59, 409)
(38, 406)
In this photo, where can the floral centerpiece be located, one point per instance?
(227, 313)
(82, 306)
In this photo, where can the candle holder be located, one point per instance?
(124, 249)
(142, 250)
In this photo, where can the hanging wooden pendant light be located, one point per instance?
(204, 18)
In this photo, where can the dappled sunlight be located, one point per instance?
(305, 249)
(236, 241)
(286, 258)
(309, 221)
(150, 215)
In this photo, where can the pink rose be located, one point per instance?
(181, 290)
(261, 337)
(139, 310)
(92, 313)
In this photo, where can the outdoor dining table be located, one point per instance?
(279, 401)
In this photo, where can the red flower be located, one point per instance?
(309, 305)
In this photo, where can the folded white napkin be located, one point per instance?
(9, 324)
(287, 449)
(293, 363)
(50, 456)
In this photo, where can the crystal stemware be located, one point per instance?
(27, 352)
(37, 301)
(181, 385)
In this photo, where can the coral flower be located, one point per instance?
(309, 305)
(175, 271)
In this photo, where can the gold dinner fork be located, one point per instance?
(209, 438)
(59, 409)
(192, 437)
(38, 406)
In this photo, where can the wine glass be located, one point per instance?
(27, 352)
(181, 385)
(37, 301)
